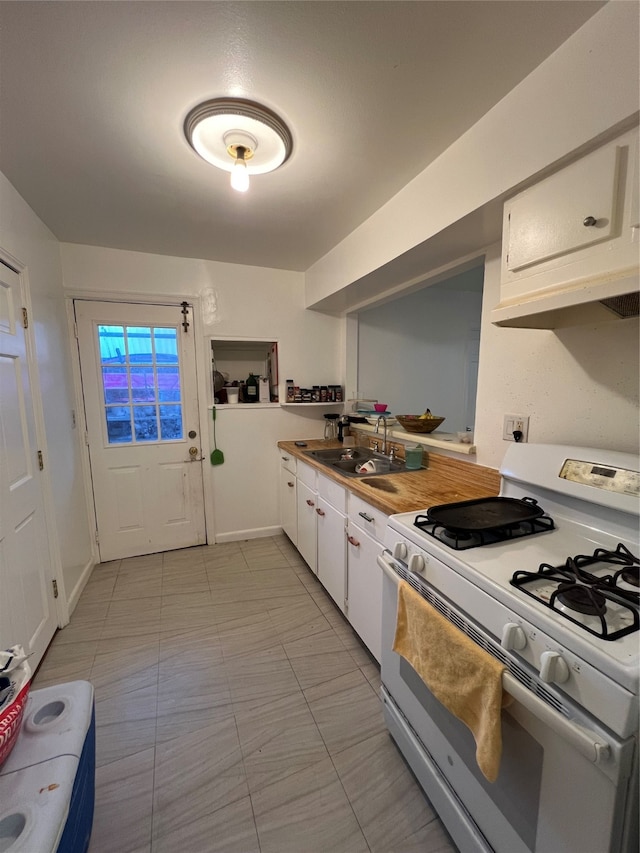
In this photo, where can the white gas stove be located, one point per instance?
(553, 592)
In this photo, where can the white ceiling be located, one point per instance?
(93, 97)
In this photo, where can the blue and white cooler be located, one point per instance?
(47, 784)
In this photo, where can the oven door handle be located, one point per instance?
(582, 739)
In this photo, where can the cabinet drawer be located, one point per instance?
(332, 493)
(287, 461)
(306, 474)
(372, 520)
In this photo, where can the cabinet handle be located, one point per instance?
(285, 458)
(365, 516)
(353, 541)
(310, 502)
(290, 484)
(319, 511)
(588, 221)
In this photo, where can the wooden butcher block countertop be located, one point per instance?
(444, 481)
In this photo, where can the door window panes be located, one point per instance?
(143, 384)
(170, 422)
(140, 368)
(118, 424)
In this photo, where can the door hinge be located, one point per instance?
(97, 537)
(55, 588)
(25, 318)
(185, 314)
(75, 331)
(40, 461)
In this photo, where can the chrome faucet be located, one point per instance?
(384, 420)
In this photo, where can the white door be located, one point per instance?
(27, 608)
(141, 404)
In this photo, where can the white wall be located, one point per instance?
(28, 240)
(590, 84)
(578, 386)
(236, 302)
(413, 352)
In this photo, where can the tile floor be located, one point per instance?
(236, 711)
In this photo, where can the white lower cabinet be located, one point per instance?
(364, 591)
(288, 508)
(339, 536)
(332, 552)
(365, 535)
(307, 500)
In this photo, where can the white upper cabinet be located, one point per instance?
(568, 211)
(571, 241)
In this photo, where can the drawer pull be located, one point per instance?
(353, 541)
(285, 458)
(320, 511)
(365, 516)
(310, 502)
(290, 484)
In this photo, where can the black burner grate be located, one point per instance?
(586, 592)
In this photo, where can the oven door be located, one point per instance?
(565, 783)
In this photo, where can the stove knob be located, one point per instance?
(416, 564)
(553, 668)
(399, 550)
(513, 637)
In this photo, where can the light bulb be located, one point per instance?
(239, 174)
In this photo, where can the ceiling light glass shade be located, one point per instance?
(217, 128)
(239, 174)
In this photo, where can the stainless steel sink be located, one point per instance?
(345, 462)
(335, 454)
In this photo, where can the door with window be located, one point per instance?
(138, 371)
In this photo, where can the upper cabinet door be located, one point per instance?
(569, 210)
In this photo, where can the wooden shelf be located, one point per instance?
(221, 406)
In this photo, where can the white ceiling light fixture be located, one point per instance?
(239, 136)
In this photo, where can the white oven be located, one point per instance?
(568, 780)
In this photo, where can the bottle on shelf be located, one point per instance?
(251, 389)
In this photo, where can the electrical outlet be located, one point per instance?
(515, 423)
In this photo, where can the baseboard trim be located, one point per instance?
(76, 592)
(254, 533)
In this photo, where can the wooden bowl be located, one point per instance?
(415, 423)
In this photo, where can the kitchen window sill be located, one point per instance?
(439, 440)
(299, 405)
